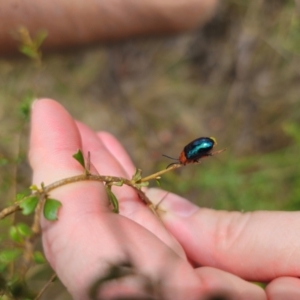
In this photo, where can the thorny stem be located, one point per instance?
(157, 174)
(107, 179)
(83, 177)
(173, 167)
(9, 210)
(52, 278)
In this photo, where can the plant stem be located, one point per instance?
(155, 175)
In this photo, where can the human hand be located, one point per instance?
(92, 21)
(89, 237)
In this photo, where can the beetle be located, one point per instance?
(195, 150)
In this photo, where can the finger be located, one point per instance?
(118, 151)
(284, 288)
(107, 164)
(54, 139)
(100, 153)
(256, 246)
(130, 205)
(218, 284)
(210, 283)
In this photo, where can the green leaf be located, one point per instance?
(137, 175)
(9, 255)
(113, 199)
(25, 106)
(40, 37)
(24, 229)
(28, 205)
(142, 184)
(20, 197)
(158, 182)
(119, 183)
(19, 231)
(33, 187)
(51, 208)
(38, 257)
(15, 235)
(28, 51)
(25, 110)
(79, 157)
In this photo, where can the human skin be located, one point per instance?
(191, 251)
(77, 23)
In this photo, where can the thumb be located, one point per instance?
(233, 241)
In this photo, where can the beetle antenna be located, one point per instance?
(173, 159)
(170, 157)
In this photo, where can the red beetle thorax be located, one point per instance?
(182, 158)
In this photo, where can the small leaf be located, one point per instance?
(20, 197)
(113, 200)
(40, 37)
(137, 175)
(25, 110)
(79, 157)
(119, 183)
(25, 106)
(142, 184)
(51, 209)
(7, 256)
(38, 257)
(28, 205)
(15, 235)
(158, 182)
(24, 229)
(33, 187)
(19, 231)
(28, 51)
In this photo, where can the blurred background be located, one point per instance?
(236, 79)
